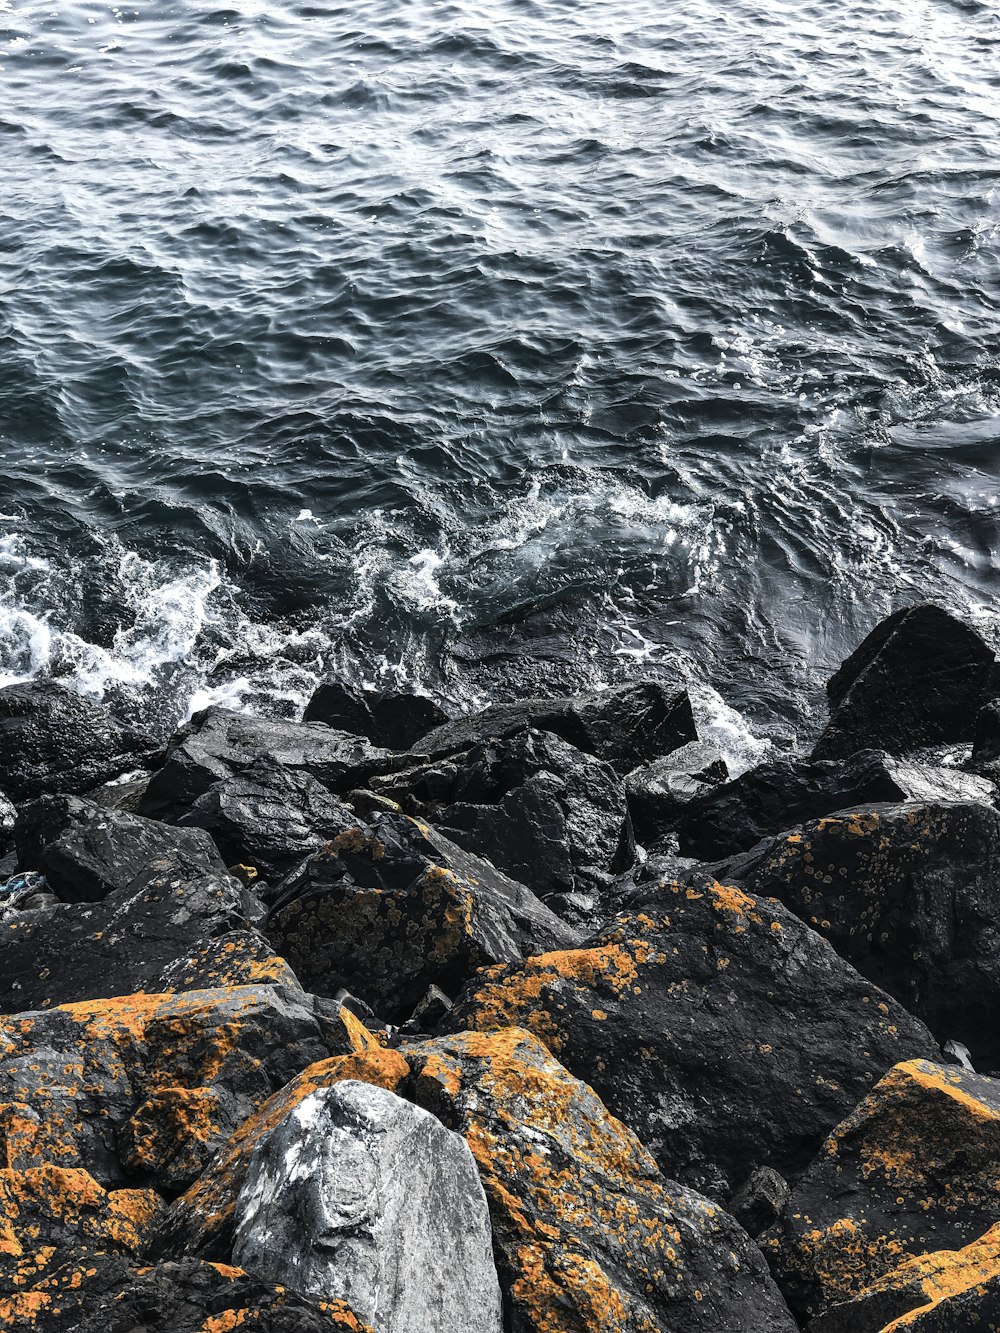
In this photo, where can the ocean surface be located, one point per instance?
(333, 335)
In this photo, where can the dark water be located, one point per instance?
(331, 333)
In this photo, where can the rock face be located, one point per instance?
(918, 679)
(542, 811)
(910, 894)
(718, 1026)
(913, 1170)
(269, 817)
(360, 1196)
(52, 740)
(785, 792)
(86, 852)
(660, 792)
(628, 726)
(394, 721)
(398, 908)
(217, 744)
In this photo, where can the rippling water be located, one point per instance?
(330, 334)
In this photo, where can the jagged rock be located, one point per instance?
(392, 911)
(910, 894)
(72, 952)
(914, 1169)
(658, 793)
(269, 817)
(200, 1222)
(358, 1195)
(217, 743)
(949, 1291)
(718, 1026)
(785, 792)
(53, 740)
(588, 1235)
(394, 721)
(431, 1011)
(540, 810)
(102, 1293)
(919, 678)
(627, 726)
(148, 1086)
(8, 815)
(86, 852)
(760, 1200)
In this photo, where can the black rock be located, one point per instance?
(658, 793)
(986, 738)
(53, 740)
(395, 721)
(269, 817)
(919, 678)
(626, 726)
(8, 816)
(785, 792)
(760, 1200)
(85, 851)
(910, 894)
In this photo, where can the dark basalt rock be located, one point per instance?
(86, 852)
(786, 792)
(913, 1170)
(718, 1026)
(659, 793)
(217, 744)
(919, 678)
(540, 810)
(626, 726)
(53, 740)
(394, 721)
(269, 817)
(910, 894)
(760, 1200)
(391, 911)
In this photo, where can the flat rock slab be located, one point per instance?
(360, 1196)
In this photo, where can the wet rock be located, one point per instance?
(53, 740)
(8, 815)
(919, 678)
(760, 1200)
(910, 894)
(914, 1169)
(658, 793)
(86, 852)
(537, 808)
(718, 1026)
(128, 942)
(785, 792)
(389, 912)
(588, 1235)
(394, 721)
(269, 817)
(358, 1195)
(217, 744)
(626, 726)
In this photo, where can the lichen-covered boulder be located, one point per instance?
(360, 1196)
(717, 1025)
(392, 910)
(918, 679)
(910, 894)
(914, 1169)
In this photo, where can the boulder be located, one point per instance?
(785, 792)
(760, 1200)
(658, 793)
(53, 740)
(395, 909)
(269, 817)
(394, 721)
(719, 1027)
(914, 1169)
(86, 852)
(919, 678)
(357, 1195)
(626, 726)
(910, 894)
(217, 743)
(540, 810)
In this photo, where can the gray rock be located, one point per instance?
(760, 1200)
(360, 1196)
(7, 817)
(659, 792)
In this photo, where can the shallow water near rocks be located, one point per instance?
(330, 334)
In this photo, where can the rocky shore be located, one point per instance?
(534, 1020)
